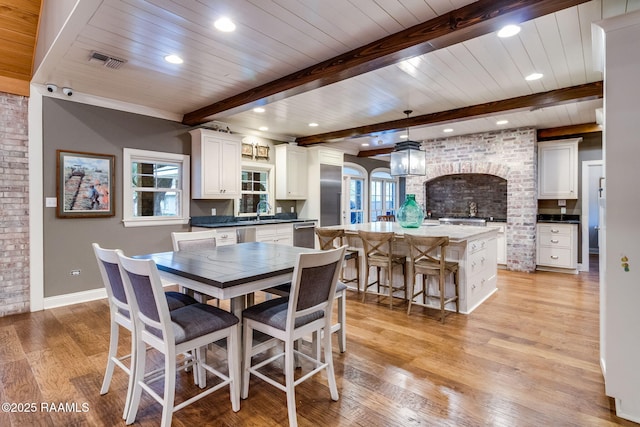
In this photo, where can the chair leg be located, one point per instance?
(113, 351)
(412, 286)
(366, 284)
(356, 260)
(328, 359)
(170, 387)
(290, 382)
(138, 375)
(246, 363)
(442, 298)
(342, 317)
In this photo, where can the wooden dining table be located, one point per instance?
(231, 271)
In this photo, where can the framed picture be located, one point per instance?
(262, 151)
(247, 150)
(85, 184)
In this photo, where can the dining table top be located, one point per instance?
(230, 265)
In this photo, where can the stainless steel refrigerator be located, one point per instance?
(330, 195)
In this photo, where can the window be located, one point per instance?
(256, 188)
(383, 193)
(155, 188)
(354, 189)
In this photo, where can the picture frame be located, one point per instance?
(262, 152)
(85, 184)
(247, 150)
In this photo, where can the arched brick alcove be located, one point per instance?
(510, 155)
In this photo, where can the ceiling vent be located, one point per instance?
(106, 60)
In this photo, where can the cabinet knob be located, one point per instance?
(473, 286)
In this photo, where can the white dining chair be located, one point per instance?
(194, 241)
(307, 310)
(120, 313)
(188, 329)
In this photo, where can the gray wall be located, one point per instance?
(67, 242)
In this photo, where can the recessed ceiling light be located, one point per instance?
(259, 110)
(509, 31)
(447, 130)
(502, 122)
(533, 76)
(173, 59)
(224, 24)
(365, 144)
(313, 125)
(263, 128)
(405, 136)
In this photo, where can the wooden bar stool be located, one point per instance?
(428, 258)
(328, 239)
(378, 251)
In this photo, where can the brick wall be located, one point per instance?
(510, 155)
(488, 192)
(14, 205)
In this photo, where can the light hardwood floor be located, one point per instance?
(526, 357)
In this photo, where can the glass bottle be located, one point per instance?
(410, 214)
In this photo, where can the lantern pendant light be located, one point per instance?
(407, 158)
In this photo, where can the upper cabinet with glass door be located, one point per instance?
(216, 165)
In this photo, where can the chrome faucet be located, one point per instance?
(267, 208)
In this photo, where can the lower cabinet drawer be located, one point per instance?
(551, 240)
(226, 237)
(555, 257)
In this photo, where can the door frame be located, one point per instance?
(584, 222)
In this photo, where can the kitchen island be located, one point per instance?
(474, 248)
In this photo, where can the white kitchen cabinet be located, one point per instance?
(291, 172)
(275, 233)
(557, 246)
(215, 165)
(558, 169)
(501, 242)
(224, 235)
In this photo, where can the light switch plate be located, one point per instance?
(51, 202)
(563, 211)
(213, 211)
(279, 209)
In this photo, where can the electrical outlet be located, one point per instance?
(563, 211)
(292, 209)
(75, 272)
(213, 211)
(279, 209)
(562, 202)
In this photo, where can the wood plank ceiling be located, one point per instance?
(18, 32)
(451, 72)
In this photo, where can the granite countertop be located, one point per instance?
(559, 218)
(221, 221)
(456, 233)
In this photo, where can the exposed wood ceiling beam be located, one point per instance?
(568, 130)
(542, 134)
(550, 98)
(465, 23)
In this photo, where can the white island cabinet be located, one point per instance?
(215, 165)
(474, 248)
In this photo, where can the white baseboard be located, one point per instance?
(74, 298)
(84, 296)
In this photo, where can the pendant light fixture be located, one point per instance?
(407, 158)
